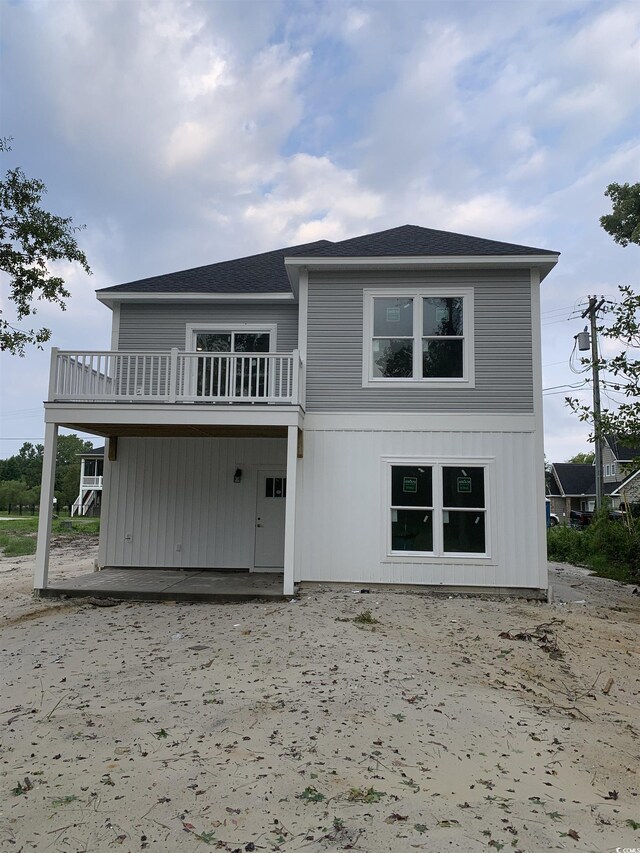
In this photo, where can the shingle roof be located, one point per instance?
(266, 273)
(96, 451)
(579, 479)
(415, 240)
(621, 450)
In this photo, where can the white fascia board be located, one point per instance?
(544, 263)
(624, 483)
(411, 422)
(171, 414)
(131, 296)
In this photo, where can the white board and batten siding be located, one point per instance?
(344, 510)
(172, 502)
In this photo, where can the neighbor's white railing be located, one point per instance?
(175, 377)
(90, 482)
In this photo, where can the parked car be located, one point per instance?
(582, 518)
(553, 519)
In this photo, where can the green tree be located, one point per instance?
(69, 446)
(30, 240)
(12, 492)
(30, 461)
(68, 485)
(623, 223)
(20, 475)
(621, 373)
(584, 458)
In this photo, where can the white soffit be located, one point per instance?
(131, 296)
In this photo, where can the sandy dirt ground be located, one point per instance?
(290, 726)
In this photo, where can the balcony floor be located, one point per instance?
(170, 585)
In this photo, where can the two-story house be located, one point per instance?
(363, 411)
(620, 469)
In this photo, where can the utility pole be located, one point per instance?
(592, 313)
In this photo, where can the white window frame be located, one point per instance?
(439, 555)
(195, 329)
(467, 380)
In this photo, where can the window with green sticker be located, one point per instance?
(438, 508)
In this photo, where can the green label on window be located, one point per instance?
(409, 484)
(464, 485)
(393, 315)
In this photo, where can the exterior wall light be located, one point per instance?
(237, 477)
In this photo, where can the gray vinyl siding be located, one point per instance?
(161, 326)
(503, 344)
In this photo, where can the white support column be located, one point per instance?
(303, 323)
(540, 515)
(46, 506)
(290, 510)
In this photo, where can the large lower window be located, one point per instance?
(438, 509)
(418, 336)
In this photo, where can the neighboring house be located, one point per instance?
(365, 411)
(619, 459)
(621, 464)
(573, 487)
(89, 498)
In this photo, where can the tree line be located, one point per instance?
(20, 474)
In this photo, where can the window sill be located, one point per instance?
(418, 383)
(449, 559)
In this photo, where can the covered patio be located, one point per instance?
(170, 585)
(179, 574)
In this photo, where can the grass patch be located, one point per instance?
(610, 548)
(17, 545)
(18, 538)
(364, 795)
(365, 618)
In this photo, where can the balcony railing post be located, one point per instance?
(53, 373)
(173, 375)
(295, 382)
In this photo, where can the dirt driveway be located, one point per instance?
(299, 726)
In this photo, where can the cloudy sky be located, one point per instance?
(183, 133)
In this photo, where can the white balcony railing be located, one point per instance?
(175, 377)
(90, 483)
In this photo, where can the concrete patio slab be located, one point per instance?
(170, 585)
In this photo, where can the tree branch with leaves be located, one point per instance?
(31, 239)
(623, 326)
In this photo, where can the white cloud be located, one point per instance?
(314, 199)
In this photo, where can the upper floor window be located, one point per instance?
(418, 336)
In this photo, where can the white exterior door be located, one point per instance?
(270, 515)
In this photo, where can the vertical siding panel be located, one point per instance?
(345, 511)
(180, 491)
